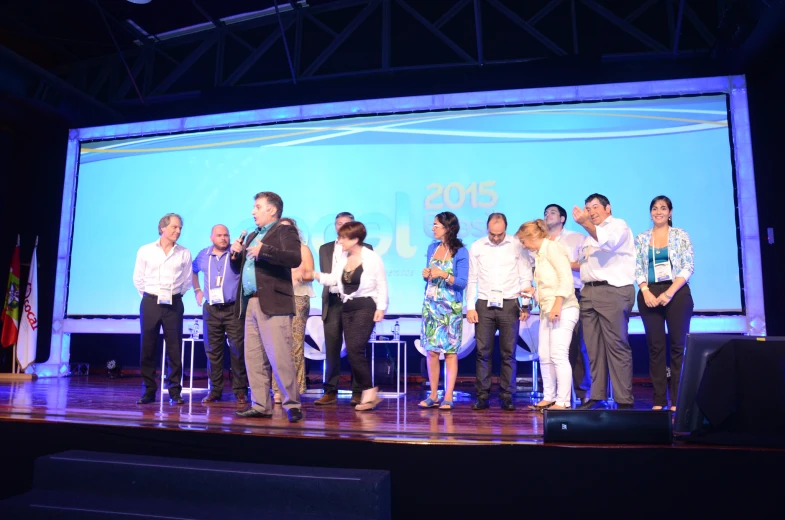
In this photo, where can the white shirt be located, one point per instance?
(155, 269)
(339, 255)
(611, 257)
(504, 267)
(373, 281)
(572, 242)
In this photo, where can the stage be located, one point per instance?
(98, 400)
(440, 462)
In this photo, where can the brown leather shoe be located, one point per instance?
(211, 398)
(356, 399)
(326, 399)
(242, 398)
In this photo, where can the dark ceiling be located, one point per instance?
(89, 60)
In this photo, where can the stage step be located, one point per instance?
(82, 484)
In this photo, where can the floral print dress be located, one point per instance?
(442, 323)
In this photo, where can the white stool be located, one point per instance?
(529, 331)
(190, 389)
(468, 342)
(314, 327)
(400, 344)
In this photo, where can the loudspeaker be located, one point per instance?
(608, 426)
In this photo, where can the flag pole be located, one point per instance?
(13, 361)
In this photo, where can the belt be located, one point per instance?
(221, 305)
(148, 295)
(595, 284)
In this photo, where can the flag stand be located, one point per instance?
(16, 375)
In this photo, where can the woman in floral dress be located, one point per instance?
(446, 273)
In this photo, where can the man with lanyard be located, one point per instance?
(499, 270)
(555, 216)
(162, 275)
(608, 273)
(221, 277)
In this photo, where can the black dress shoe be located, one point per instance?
(507, 405)
(480, 404)
(591, 404)
(295, 414)
(253, 413)
(624, 406)
(146, 399)
(212, 398)
(176, 399)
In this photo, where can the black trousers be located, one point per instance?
(152, 317)
(333, 340)
(579, 360)
(221, 324)
(677, 315)
(358, 324)
(507, 321)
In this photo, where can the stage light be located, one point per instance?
(140, 1)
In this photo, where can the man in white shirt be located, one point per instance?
(499, 270)
(162, 275)
(607, 271)
(555, 217)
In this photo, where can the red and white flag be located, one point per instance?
(28, 319)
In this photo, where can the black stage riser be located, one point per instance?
(608, 426)
(81, 483)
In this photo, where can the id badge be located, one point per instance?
(216, 295)
(165, 297)
(432, 290)
(585, 252)
(663, 272)
(495, 299)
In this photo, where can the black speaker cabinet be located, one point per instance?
(608, 426)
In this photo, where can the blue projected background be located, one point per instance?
(395, 172)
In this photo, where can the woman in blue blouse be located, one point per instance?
(446, 273)
(664, 264)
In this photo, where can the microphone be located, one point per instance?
(242, 237)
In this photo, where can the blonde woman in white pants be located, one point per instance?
(559, 313)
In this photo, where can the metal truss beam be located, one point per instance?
(624, 26)
(338, 41)
(428, 25)
(528, 27)
(249, 62)
(468, 41)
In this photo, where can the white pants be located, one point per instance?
(554, 349)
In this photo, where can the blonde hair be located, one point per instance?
(533, 229)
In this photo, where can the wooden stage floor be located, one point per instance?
(98, 400)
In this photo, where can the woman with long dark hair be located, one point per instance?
(446, 273)
(664, 264)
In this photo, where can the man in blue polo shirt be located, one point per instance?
(217, 299)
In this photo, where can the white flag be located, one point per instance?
(28, 318)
